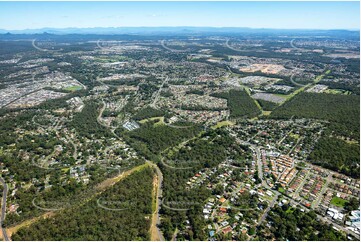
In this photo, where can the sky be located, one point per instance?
(280, 15)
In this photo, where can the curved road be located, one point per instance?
(230, 47)
(3, 209)
(162, 42)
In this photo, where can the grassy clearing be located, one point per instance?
(337, 91)
(295, 136)
(352, 142)
(66, 169)
(160, 120)
(339, 202)
(222, 123)
(281, 190)
(73, 88)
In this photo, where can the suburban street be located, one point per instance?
(264, 215)
(259, 163)
(157, 94)
(323, 190)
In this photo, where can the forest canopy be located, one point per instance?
(343, 111)
(129, 204)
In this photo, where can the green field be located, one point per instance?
(222, 123)
(73, 88)
(339, 202)
(159, 119)
(295, 136)
(338, 91)
(281, 190)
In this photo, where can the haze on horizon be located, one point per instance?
(277, 15)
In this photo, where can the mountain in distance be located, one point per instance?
(169, 30)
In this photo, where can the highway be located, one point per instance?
(230, 47)
(170, 49)
(3, 209)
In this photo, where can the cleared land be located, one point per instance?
(264, 68)
(269, 97)
(339, 202)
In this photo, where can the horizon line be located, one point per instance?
(216, 27)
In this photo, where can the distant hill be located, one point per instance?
(178, 30)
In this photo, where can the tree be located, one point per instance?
(352, 204)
